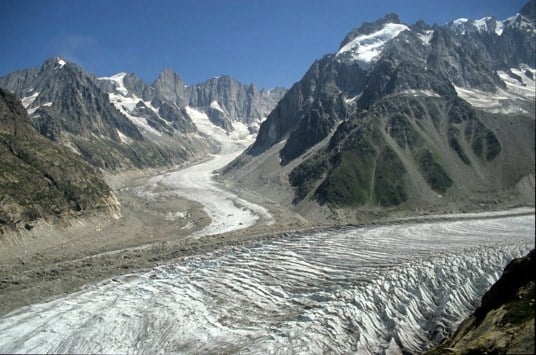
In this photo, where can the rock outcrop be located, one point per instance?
(504, 322)
(227, 101)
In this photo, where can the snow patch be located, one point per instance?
(352, 99)
(525, 86)
(173, 216)
(239, 137)
(123, 138)
(117, 79)
(47, 104)
(367, 49)
(504, 101)
(215, 105)
(28, 100)
(484, 25)
(426, 37)
(520, 22)
(61, 62)
(420, 93)
(126, 105)
(500, 28)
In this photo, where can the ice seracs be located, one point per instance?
(367, 49)
(341, 290)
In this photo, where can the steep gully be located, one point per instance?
(340, 290)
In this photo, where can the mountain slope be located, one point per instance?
(405, 117)
(40, 179)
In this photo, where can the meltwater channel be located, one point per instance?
(364, 290)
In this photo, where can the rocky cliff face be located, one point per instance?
(225, 100)
(504, 322)
(40, 179)
(405, 116)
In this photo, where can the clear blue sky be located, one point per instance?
(266, 42)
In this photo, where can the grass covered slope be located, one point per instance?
(40, 179)
(406, 149)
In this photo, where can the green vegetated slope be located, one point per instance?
(41, 179)
(406, 146)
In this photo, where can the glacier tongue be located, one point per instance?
(364, 290)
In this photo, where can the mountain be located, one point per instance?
(504, 322)
(404, 117)
(121, 122)
(110, 130)
(40, 179)
(227, 101)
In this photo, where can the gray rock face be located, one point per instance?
(389, 112)
(171, 87)
(319, 96)
(226, 100)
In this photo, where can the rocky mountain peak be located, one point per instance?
(529, 10)
(54, 63)
(171, 87)
(365, 44)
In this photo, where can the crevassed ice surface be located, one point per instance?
(363, 290)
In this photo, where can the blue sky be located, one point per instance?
(266, 42)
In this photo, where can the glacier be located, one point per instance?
(375, 289)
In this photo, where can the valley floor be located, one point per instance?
(158, 223)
